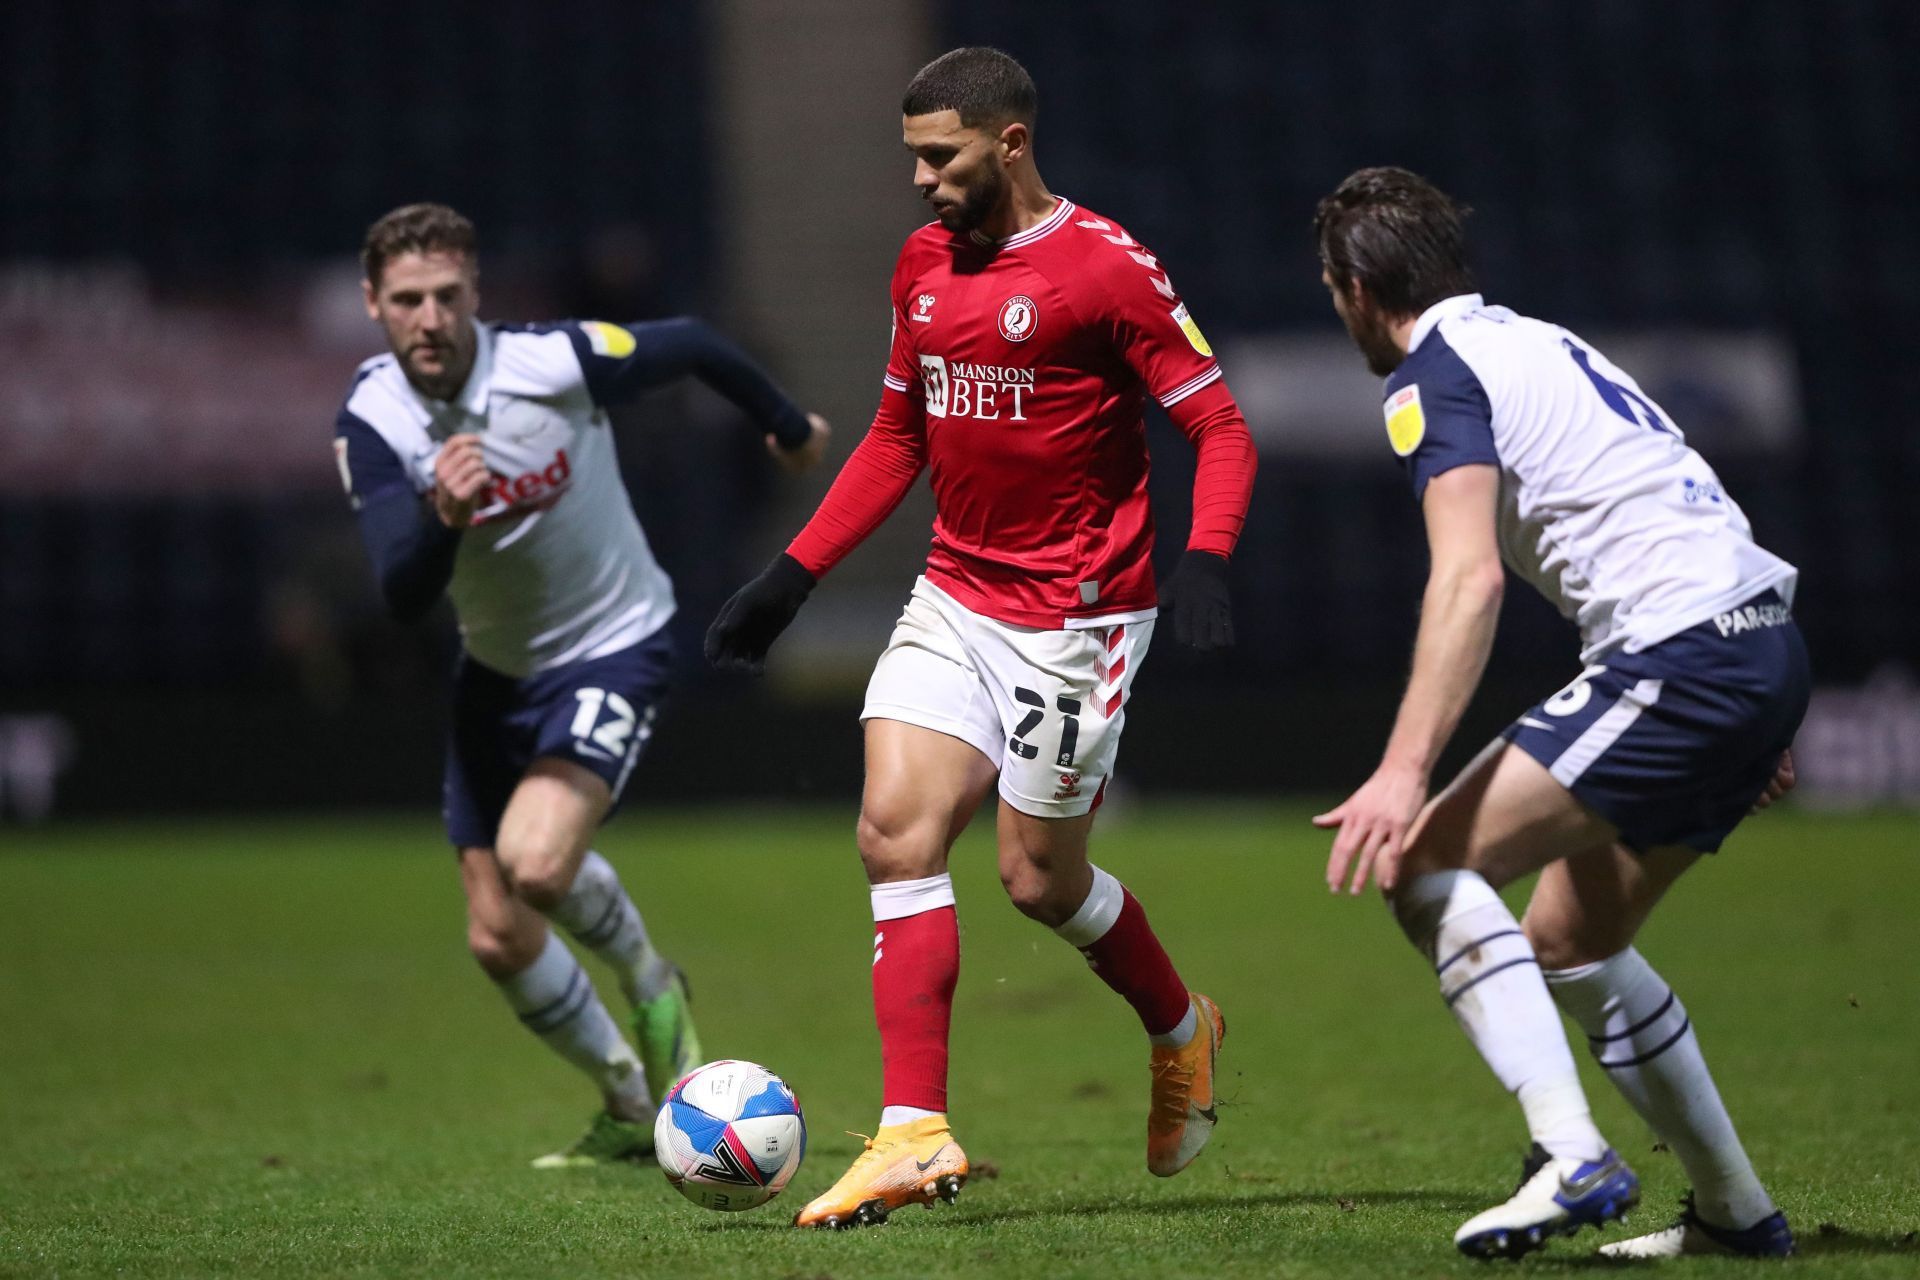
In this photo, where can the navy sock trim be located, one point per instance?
(1479, 942)
(1639, 1026)
(555, 1012)
(1650, 1054)
(1470, 985)
(600, 932)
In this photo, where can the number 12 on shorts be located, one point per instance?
(1069, 727)
(611, 736)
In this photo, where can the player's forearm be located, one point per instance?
(1224, 468)
(877, 476)
(412, 551)
(669, 349)
(1458, 616)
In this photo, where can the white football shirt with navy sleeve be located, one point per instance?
(1603, 507)
(555, 568)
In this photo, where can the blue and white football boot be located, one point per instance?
(1768, 1238)
(1555, 1198)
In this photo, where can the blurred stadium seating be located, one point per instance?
(178, 574)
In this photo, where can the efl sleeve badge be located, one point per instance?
(610, 340)
(1406, 423)
(1195, 338)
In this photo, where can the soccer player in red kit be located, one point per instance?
(1027, 333)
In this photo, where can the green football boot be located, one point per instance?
(608, 1140)
(663, 1031)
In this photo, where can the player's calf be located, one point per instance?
(504, 934)
(1641, 1035)
(1039, 895)
(555, 1000)
(1490, 979)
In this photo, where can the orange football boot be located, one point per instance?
(913, 1163)
(1180, 1120)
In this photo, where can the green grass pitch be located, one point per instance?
(258, 1049)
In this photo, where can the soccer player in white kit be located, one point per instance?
(1526, 445)
(480, 462)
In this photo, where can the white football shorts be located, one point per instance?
(1046, 706)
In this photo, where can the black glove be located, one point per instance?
(749, 623)
(1196, 596)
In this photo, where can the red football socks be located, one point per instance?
(916, 962)
(1129, 958)
(1112, 932)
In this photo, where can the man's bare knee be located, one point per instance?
(895, 846)
(1034, 894)
(1043, 865)
(537, 873)
(1558, 947)
(500, 949)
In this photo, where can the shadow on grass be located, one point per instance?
(967, 1219)
(1829, 1238)
(1351, 1201)
(1829, 1241)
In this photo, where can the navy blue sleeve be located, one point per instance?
(622, 360)
(1438, 414)
(369, 468)
(412, 552)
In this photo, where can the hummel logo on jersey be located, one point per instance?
(923, 309)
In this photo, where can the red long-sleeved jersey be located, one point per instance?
(1018, 374)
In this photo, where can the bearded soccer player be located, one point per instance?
(1027, 333)
(1525, 444)
(481, 463)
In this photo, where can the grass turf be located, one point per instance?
(253, 1049)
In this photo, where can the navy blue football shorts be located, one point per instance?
(597, 714)
(1673, 745)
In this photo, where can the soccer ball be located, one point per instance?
(730, 1135)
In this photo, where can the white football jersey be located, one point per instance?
(1603, 506)
(555, 568)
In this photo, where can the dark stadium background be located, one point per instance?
(186, 622)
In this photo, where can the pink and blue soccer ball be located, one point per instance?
(730, 1135)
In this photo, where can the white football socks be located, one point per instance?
(898, 899)
(602, 918)
(1182, 1032)
(1491, 980)
(1640, 1033)
(1090, 923)
(557, 1002)
(903, 1115)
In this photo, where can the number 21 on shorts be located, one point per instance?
(1069, 727)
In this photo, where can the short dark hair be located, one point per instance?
(984, 85)
(415, 228)
(1397, 232)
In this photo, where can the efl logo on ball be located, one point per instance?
(1018, 316)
